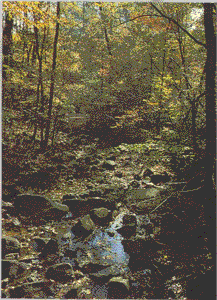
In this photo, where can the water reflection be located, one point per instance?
(109, 248)
(104, 247)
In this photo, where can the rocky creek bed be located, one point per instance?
(90, 246)
(104, 230)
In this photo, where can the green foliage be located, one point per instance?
(144, 67)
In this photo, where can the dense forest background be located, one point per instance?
(83, 77)
(106, 59)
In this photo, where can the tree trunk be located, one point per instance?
(210, 87)
(7, 59)
(105, 31)
(161, 108)
(40, 86)
(194, 133)
(37, 104)
(210, 162)
(54, 129)
(52, 78)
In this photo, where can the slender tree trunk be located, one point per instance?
(161, 93)
(37, 104)
(194, 132)
(188, 86)
(42, 88)
(39, 79)
(54, 129)
(52, 78)
(151, 74)
(33, 54)
(7, 59)
(105, 31)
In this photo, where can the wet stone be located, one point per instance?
(112, 157)
(84, 195)
(38, 244)
(109, 165)
(119, 174)
(101, 216)
(10, 194)
(135, 184)
(106, 273)
(97, 202)
(38, 289)
(70, 197)
(94, 168)
(51, 247)
(54, 214)
(115, 214)
(76, 207)
(3, 295)
(61, 273)
(146, 173)
(127, 230)
(137, 177)
(28, 205)
(13, 269)
(118, 288)
(11, 210)
(149, 228)
(70, 253)
(10, 245)
(72, 294)
(84, 227)
(93, 268)
(129, 220)
(95, 193)
(133, 246)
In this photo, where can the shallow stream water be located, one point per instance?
(103, 247)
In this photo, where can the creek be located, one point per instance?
(103, 248)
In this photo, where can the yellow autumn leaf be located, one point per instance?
(152, 103)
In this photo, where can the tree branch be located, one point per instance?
(171, 20)
(134, 19)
